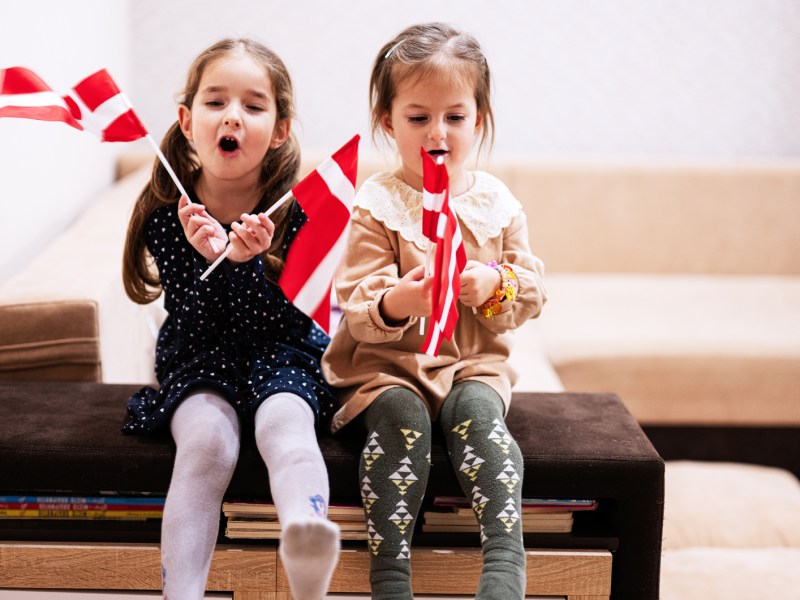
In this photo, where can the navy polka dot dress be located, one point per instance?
(235, 332)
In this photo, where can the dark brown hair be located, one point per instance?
(278, 171)
(426, 50)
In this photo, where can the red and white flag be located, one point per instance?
(24, 95)
(433, 191)
(326, 197)
(450, 259)
(101, 108)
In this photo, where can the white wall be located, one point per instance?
(49, 170)
(618, 79)
(575, 80)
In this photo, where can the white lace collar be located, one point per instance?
(485, 209)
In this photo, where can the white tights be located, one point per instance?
(206, 431)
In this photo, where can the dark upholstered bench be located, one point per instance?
(64, 438)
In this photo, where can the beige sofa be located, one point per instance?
(676, 286)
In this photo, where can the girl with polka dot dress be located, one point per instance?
(233, 352)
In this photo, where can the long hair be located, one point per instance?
(426, 50)
(278, 171)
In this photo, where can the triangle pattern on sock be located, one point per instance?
(411, 437)
(368, 497)
(403, 477)
(479, 501)
(462, 429)
(401, 517)
(372, 451)
(405, 551)
(509, 515)
(500, 436)
(509, 476)
(471, 464)
(374, 538)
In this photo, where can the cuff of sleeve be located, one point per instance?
(377, 319)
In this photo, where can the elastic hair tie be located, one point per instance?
(392, 49)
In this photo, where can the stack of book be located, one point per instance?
(538, 515)
(121, 508)
(260, 521)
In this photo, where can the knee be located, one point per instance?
(396, 409)
(471, 400)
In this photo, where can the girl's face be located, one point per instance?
(438, 116)
(233, 119)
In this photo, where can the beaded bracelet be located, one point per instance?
(509, 286)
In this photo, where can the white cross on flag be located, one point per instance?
(101, 108)
(450, 257)
(24, 95)
(326, 197)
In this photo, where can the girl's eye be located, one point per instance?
(417, 119)
(255, 108)
(213, 103)
(456, 118)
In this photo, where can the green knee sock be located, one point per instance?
(489, 465)
(393, 472)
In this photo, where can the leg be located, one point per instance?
(206, 432)
(489, 465)
(309, 545)
(393, 471)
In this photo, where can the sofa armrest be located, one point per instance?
(50, 341)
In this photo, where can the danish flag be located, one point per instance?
(101, 108)
(23, 94)
(95, 104)
(326, 197)
(442, 228)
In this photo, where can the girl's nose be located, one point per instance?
(232, 118)
(436, 131)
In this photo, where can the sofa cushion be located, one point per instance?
(49, 341)
(736, 219)
(679, 349)
(85, 263)
(730, 573)
(730, 505)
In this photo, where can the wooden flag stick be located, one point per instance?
(174, 177)
(229, 247)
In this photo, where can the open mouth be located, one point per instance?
(436, 153)
(228, 144)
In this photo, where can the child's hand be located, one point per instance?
(251, 237)
(478, 283)
(410, 297)
(201, 229)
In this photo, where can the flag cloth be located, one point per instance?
(433, 190)
(24, 95)
(450, 259)
(101, 108)
(326, 197)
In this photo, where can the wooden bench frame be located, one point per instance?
(254, 572)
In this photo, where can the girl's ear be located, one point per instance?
(185, 120)
(478, 123)
(386, 124)
(281, 133)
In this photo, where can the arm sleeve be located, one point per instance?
(529, 269)
(369, 270)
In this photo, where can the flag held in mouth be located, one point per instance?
(450, 258)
